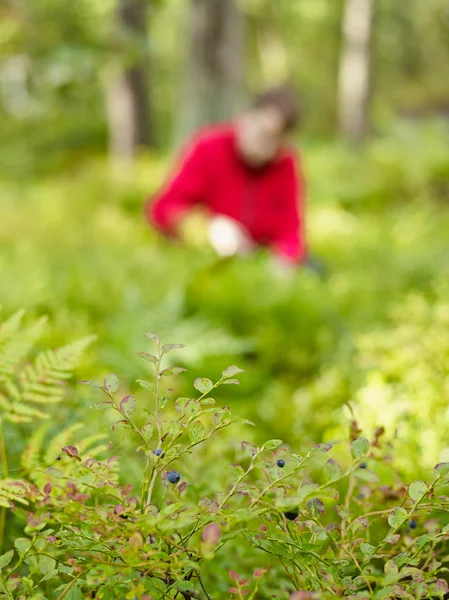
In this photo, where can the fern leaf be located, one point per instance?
(12, 491)
(43, 382)
(31, 456)
(15, 343)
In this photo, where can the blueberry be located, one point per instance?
(413, 524)
(363, 465)
(159, 452)
(291, 515)
(174, 477)
(360, 496)
(281, 463)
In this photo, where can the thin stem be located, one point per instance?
(4, 463)
(69, 587)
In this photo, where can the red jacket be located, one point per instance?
(268, 202)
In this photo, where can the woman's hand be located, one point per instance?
(228, 237)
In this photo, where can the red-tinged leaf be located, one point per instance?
(231, 382)
(112, 459)
(244, 582)
(70, 451)
(233, 575)
(172, 371)
(169, 347)
(250, 448)
(91, 383)
(118, 509)
(316, 507)
(441, 587)
(123, 422)
(259, 573)
(111, 383)
(101, 405)
(128, 405)
(393, 539)
(342, 512)
(47, 488)
(321, 448)
(211, 534)
(233, 590)
(148, 357)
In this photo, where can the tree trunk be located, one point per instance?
(355, 68)
(128, 98)
(214, 72)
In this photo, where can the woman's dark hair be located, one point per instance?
(285, 99)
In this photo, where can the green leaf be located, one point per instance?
(6, 558)
(441, 470)
(208, 402)
(111, 383)
(154, 337)
(128, 405)
(231, 382)
(359, 447)
(397, 517)
(244, 422)
(367, 548)
(203, 385)
(238, 470)
(147, 431)
(272, 444)
(180, 404)
(146, 384)
(47, 566)
(417, 490)
(192, 408)
(305, 490)
(366, 475)
(22, 545)
(231, 371)
(332, 470)
(172, 371)
(423, 540)
(196, 433)
(102, 405)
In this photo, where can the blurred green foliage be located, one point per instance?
(374, 332)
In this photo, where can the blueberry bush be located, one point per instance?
(193, 513)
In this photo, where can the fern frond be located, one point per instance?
(12, 492)
(31, 456)
(15, 343)
(42, 382)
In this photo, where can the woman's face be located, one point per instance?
(260, 134)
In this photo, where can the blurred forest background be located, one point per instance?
(95, 95)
